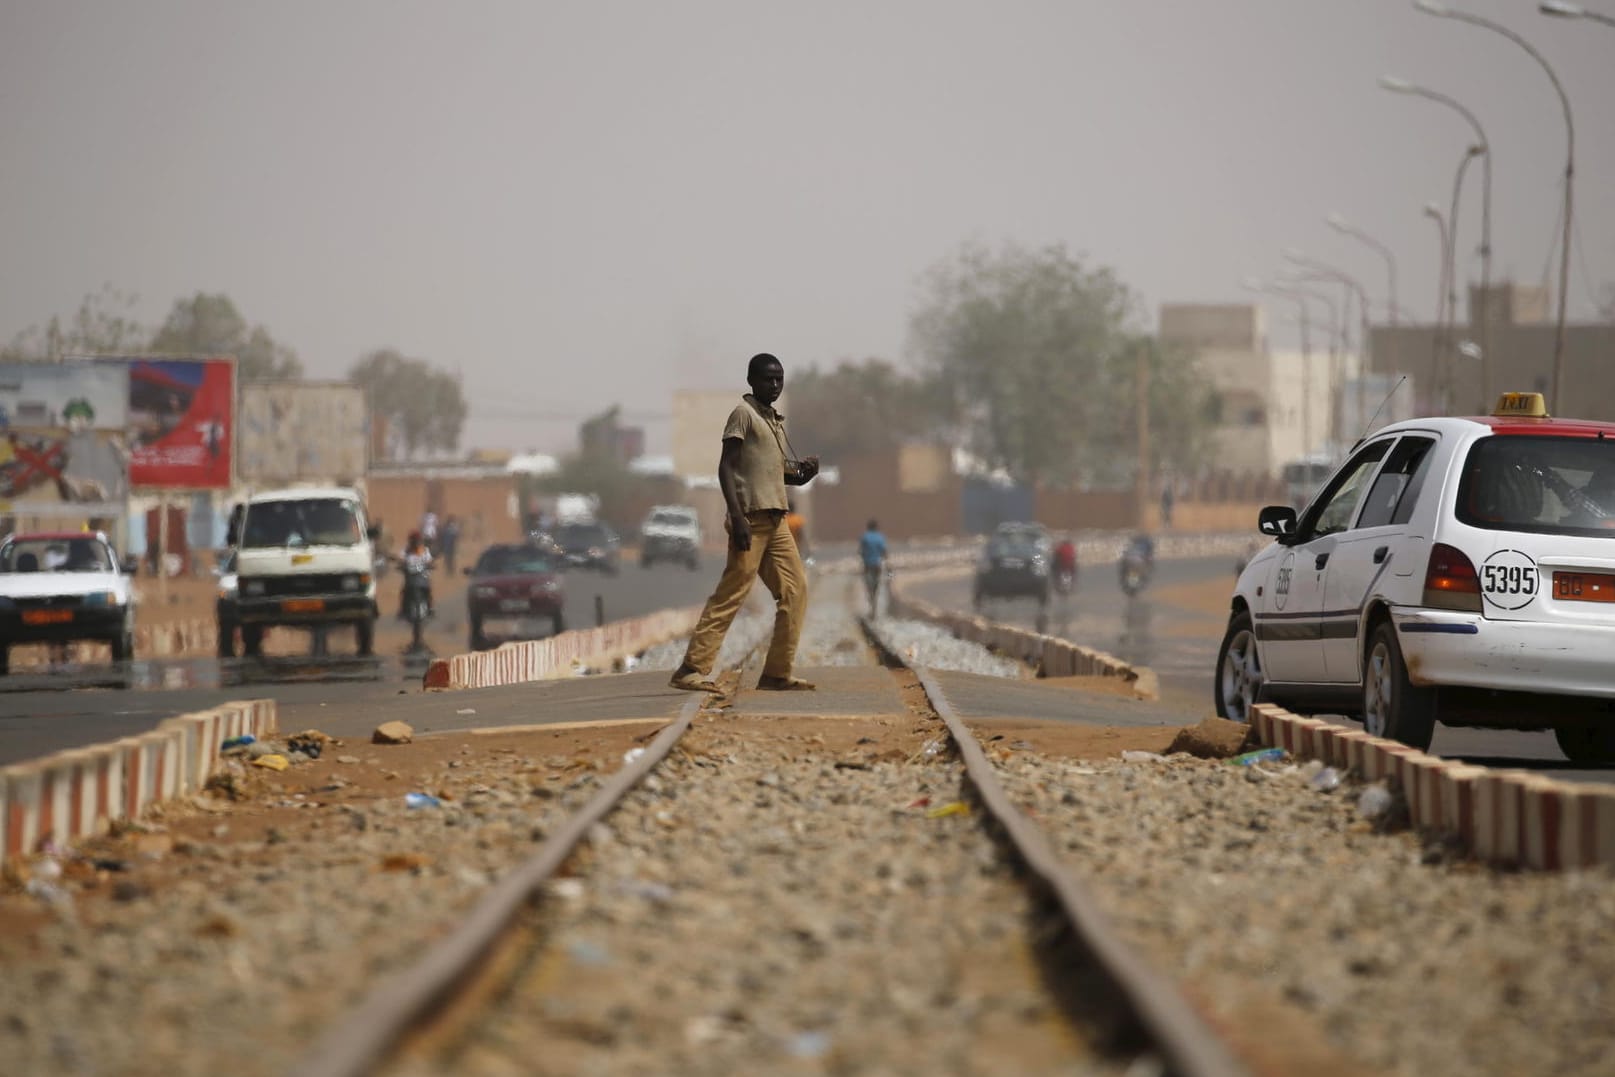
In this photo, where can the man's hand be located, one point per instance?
(739, 533)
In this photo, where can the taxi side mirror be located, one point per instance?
(129, 565)
(470, 571)
(1277, 521)
(373, 533)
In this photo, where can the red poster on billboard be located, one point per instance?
(181, 422)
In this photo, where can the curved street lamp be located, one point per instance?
(1300, 297)
(1396, 85)
(1572, 11)
(1442, 11)
(1450, 328)
(1340, 224)
(1433, 211)
(1315, 270)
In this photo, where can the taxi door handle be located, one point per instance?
(1323, 559)
(1379, 554)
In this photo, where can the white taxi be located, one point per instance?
(1459, 570)
(58, 587)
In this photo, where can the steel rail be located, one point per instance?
(1188, 1045)
(367, 1035)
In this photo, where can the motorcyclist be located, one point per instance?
(1141, 546)
(1065, 560)
(1137, 562)
(417, 564)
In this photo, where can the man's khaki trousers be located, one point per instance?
(773, 558)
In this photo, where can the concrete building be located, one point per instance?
(1520, 358)
(1274, 405)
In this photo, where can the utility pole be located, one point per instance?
(1143, 384)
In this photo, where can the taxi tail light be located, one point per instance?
(1450, 581)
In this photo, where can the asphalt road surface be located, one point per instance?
(1177, 638)
(43, 712)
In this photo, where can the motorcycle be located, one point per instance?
(417, 604)
(1134, 571)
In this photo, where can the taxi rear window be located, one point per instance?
(1548, 485)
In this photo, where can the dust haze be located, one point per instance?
(579, 205)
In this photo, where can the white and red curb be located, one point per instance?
(1053, 657)
(79, 793)
(561, 655)
(1507, 817)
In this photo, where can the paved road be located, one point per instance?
(46, 712)
(1180, 644)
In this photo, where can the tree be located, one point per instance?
(103, 324)
(1040, 356)
(210, 325)
(858, 408)
(423, 407)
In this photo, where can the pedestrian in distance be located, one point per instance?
(753, 471)
(872, 552)
(451, 541)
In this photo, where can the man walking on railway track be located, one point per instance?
(753, 472)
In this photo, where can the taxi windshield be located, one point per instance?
(323, 521)
(56, 555)
(1549, 485)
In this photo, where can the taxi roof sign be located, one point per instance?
(1521, 406)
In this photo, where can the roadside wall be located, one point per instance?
(484, 505)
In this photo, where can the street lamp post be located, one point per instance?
(1299, 297)
(1573, 11)
(1450, 330)
(1396, 85)
(1340, 224)
(1431, 7)
(1317, 270)
(1433, 211)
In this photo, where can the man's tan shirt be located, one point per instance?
(760, 477)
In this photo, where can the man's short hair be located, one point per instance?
(758, 361)
(873, 526)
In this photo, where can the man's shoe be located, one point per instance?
(691, 680)
(785, 684)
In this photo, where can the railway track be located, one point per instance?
(969, 937)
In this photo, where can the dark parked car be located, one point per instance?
(513, 586)
(589, 545)
(1015, 564)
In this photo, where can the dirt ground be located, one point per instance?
(274, 807)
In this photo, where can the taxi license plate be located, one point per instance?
(1583, 587)
(47, 617)
(1012, 562)
(303, 605)
(514, 605)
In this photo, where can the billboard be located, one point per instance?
(62, 444)
(181, 422)
(290, 431)
(38, 396)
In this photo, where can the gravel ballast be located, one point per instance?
(1273, 898)
(759, 908)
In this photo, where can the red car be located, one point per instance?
(512, 587)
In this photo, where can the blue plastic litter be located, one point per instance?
(1261, 755)
(238, 742)
(421, 800)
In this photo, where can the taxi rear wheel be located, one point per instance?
(1586, 743)
(1393, 706)
(1239, 670)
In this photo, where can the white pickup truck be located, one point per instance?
(303, 558)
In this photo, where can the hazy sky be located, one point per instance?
(585, 203)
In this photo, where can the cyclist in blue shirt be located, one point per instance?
(872, 551)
